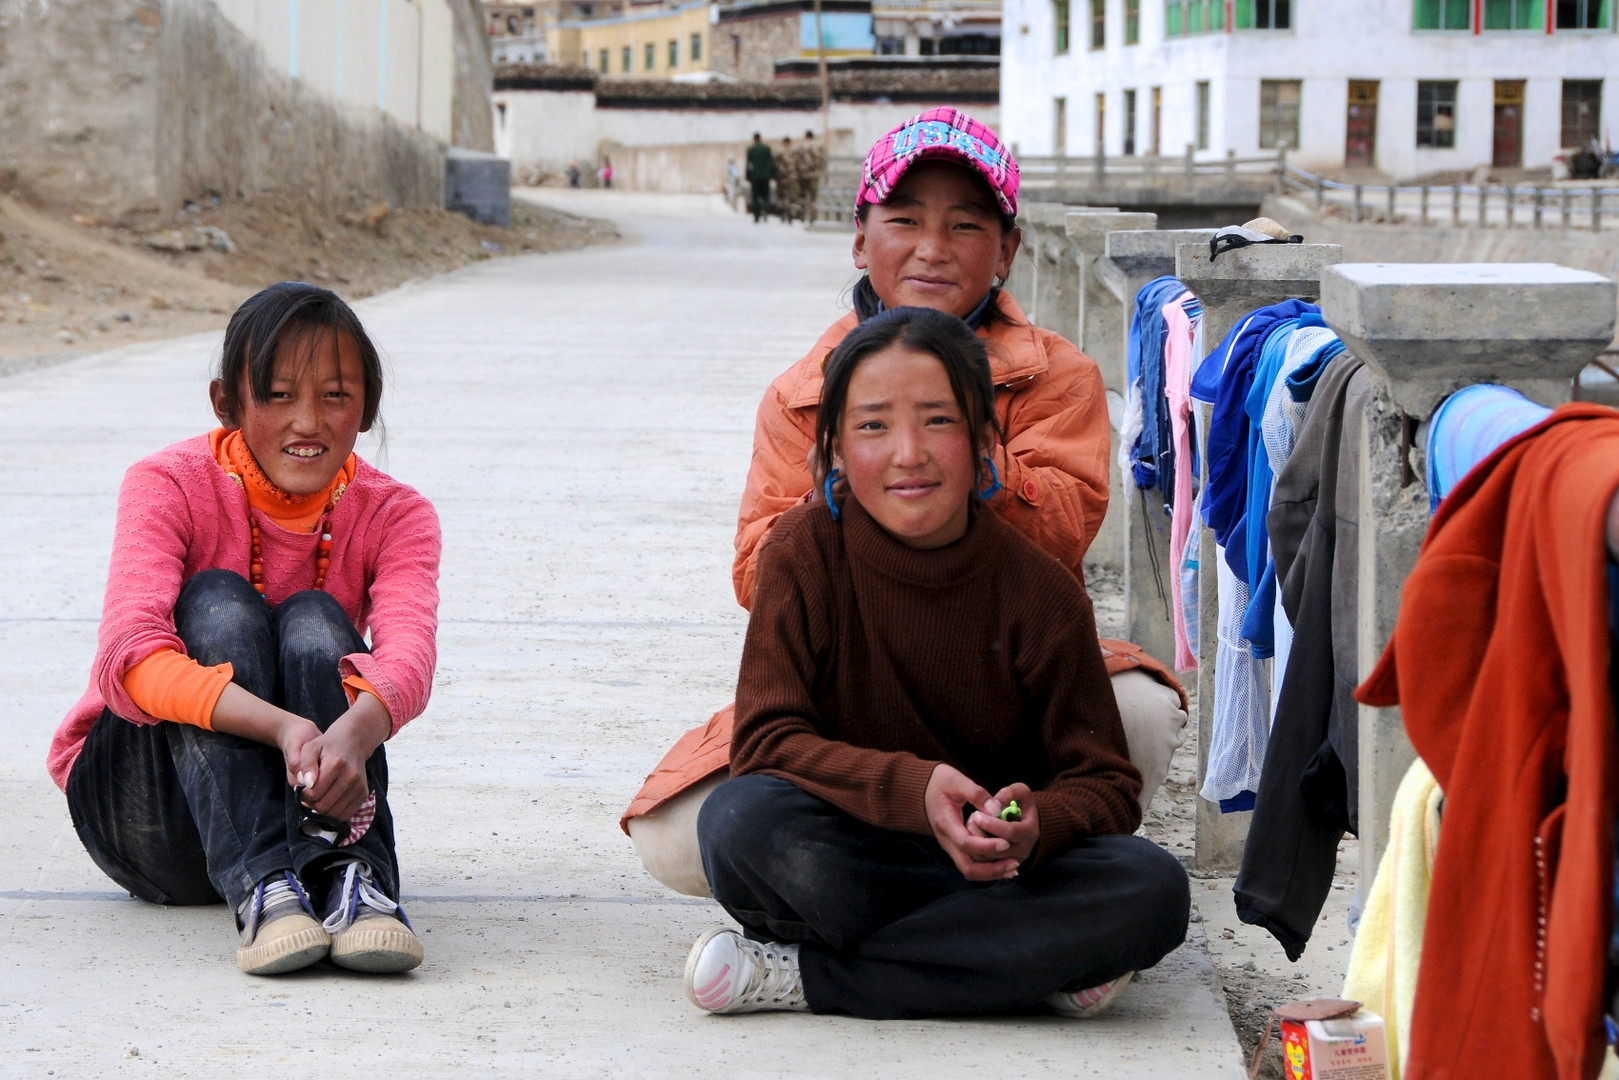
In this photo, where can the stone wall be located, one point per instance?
(134, 106)
(247, 129)
(749, 47)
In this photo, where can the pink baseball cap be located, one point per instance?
(945, 133)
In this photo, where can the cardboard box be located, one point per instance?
(1346, 1048)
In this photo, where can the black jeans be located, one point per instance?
(889, 928)
(180, 815)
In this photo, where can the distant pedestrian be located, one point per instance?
(606, 172)
(786, 180)
(733, 182)
(230, 743)
(811, 164)
(573, 174)
(761, 169)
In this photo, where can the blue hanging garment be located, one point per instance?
(1468, 427)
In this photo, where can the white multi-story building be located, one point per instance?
(1410, 87)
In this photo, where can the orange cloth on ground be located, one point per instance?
(1499, 663)
(174, 687)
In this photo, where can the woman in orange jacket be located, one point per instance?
(936, 227)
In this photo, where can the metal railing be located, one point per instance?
(1568, 205)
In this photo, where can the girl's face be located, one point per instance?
(937, 242)
(904, 447)
(302, 436)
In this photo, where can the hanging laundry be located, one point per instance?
(1308, 785)
(1148, 451)
(1241, 719)
(1387, 954)
(1183, 340)
(1500, 663)
(1468, 427)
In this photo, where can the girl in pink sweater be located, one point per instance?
(230, 742)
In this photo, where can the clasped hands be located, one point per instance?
(983, 847)
(330, 766)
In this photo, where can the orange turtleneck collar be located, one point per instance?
(295, 513)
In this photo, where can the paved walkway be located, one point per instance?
(582, 422)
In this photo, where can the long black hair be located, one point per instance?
(925, 330)
(281, 312)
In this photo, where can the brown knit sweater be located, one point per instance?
(868, 662)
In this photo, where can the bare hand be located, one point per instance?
(1023, 835)
(331, 767)
(979, 857)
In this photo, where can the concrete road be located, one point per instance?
(582, 422)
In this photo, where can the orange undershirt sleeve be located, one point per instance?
(355, 685)
(172, 686)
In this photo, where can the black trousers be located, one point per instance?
(889, 928)
(176, 814)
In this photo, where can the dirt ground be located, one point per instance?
(70, 284)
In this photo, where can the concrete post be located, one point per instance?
(1101, 340)
(1052, 295)
(1129, 261)
(1426, 330)
(1230, 287)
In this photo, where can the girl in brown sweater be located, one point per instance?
(932, 804)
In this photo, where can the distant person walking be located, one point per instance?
(787, 179)
(606, 173)
(761, 169)
(811, 163)
(573, 174)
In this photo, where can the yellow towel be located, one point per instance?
(1388, 944)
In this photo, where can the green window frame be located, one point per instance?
(628, 60)
(1060, 15)
(1584, 15)
(1132, 22)
(602, 62)
(1186, 17)
(696, 48)
(1262, 15)
(1098, 24)
(1443, 15)
(651, 56)
(1514, 14)
(674, 53)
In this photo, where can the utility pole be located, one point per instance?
(826, 83)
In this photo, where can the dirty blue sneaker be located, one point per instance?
(369, 931)
(279, 930)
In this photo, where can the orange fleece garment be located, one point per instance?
(171, 686)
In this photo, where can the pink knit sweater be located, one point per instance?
(179, 514)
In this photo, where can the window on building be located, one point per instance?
(1583, 15)
(1156, 139)
(1444, 14)
(1436, 114)
(1203, 115)
(927, 46)
(1129, 123)
(696, 48)
(1098, 23)
(1059, 126)
(1060, 10)
(1193, 17)
(651, 56)
(584, 58)
(1582, 111)
(628, 59)
(1101, 124)
(1279, 112)
(602, 65)
(674, 52)
(1262, 14)
(890, 46)
(1514, 14)
(1132, 22)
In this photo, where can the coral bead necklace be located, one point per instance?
(323, 551)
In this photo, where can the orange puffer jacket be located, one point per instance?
(1053, 408)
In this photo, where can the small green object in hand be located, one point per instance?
(1012, 812)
